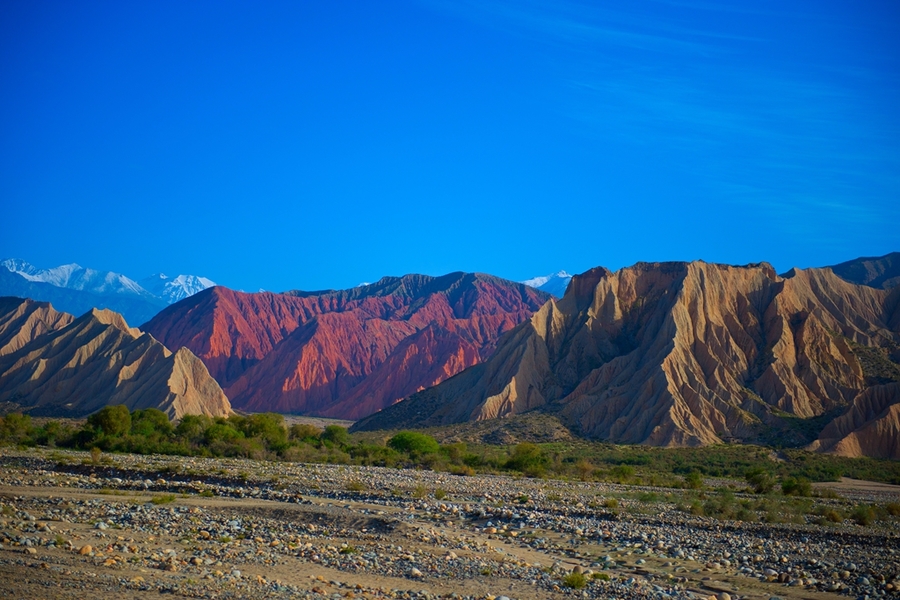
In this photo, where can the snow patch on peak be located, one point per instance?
(173, 289)
(554, 283)
(22, 268)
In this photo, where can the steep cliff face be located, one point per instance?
(673, 354)
(345, 353)
(76, 366)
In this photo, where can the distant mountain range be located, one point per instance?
(668, 354)
(554, 284)
(75, 289)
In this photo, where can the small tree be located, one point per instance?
(15, 427)
(269, 427)
(585, 469)
(527, 458)
(192, 427)
(304, 432)
(113, 421)
(335, 435)
(151, 422)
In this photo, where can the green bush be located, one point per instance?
(151, 422)
(113, 421)
(304, 432)
(863, 515)
(574, 580)
(694, 480)
(222, 432)
(192, 428)
(760, 480)
(269, 428)
(622, 473)
(796, 487)
(414, 443)
(527, 458)
(335, 435)
(15, 428)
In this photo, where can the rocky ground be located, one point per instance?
(147, 527)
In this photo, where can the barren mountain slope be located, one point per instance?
(96, 360)
(877, 271)
(871, 426)
(673, 354)
(21, 321)
(345, 353)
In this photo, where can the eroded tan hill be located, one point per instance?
(77, 366)
(21, 322)
(674, 354)
(871, 426)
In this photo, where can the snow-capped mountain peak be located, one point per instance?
(20, 267)
(17, 265)
(555, 283)
(173, 289)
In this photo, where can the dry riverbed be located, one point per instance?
(158, 526)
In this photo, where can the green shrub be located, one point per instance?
(622, 473)
(832, 515)
(15, 427)
(151, 422)
(192, 427)
(304, 432)
(760, 480)
(356, 485)
(694, 480)
(414, 443)
(464, 470)
(863, 515)
(113, 421)
(527, 458)
(574, 580)
(796, 487)
(335, 435)
(269, 428)
(893, 509)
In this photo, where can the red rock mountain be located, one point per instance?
(345, 353)
(53, 364)
(685, 354)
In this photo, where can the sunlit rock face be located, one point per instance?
(675, 354)
(349, 353)
(53, 364)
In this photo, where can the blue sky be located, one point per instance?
(308, 145)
